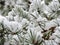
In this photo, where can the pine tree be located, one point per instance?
(29, 22)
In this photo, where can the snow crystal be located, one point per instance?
(50, 24)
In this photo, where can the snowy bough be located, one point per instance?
(30, 22)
